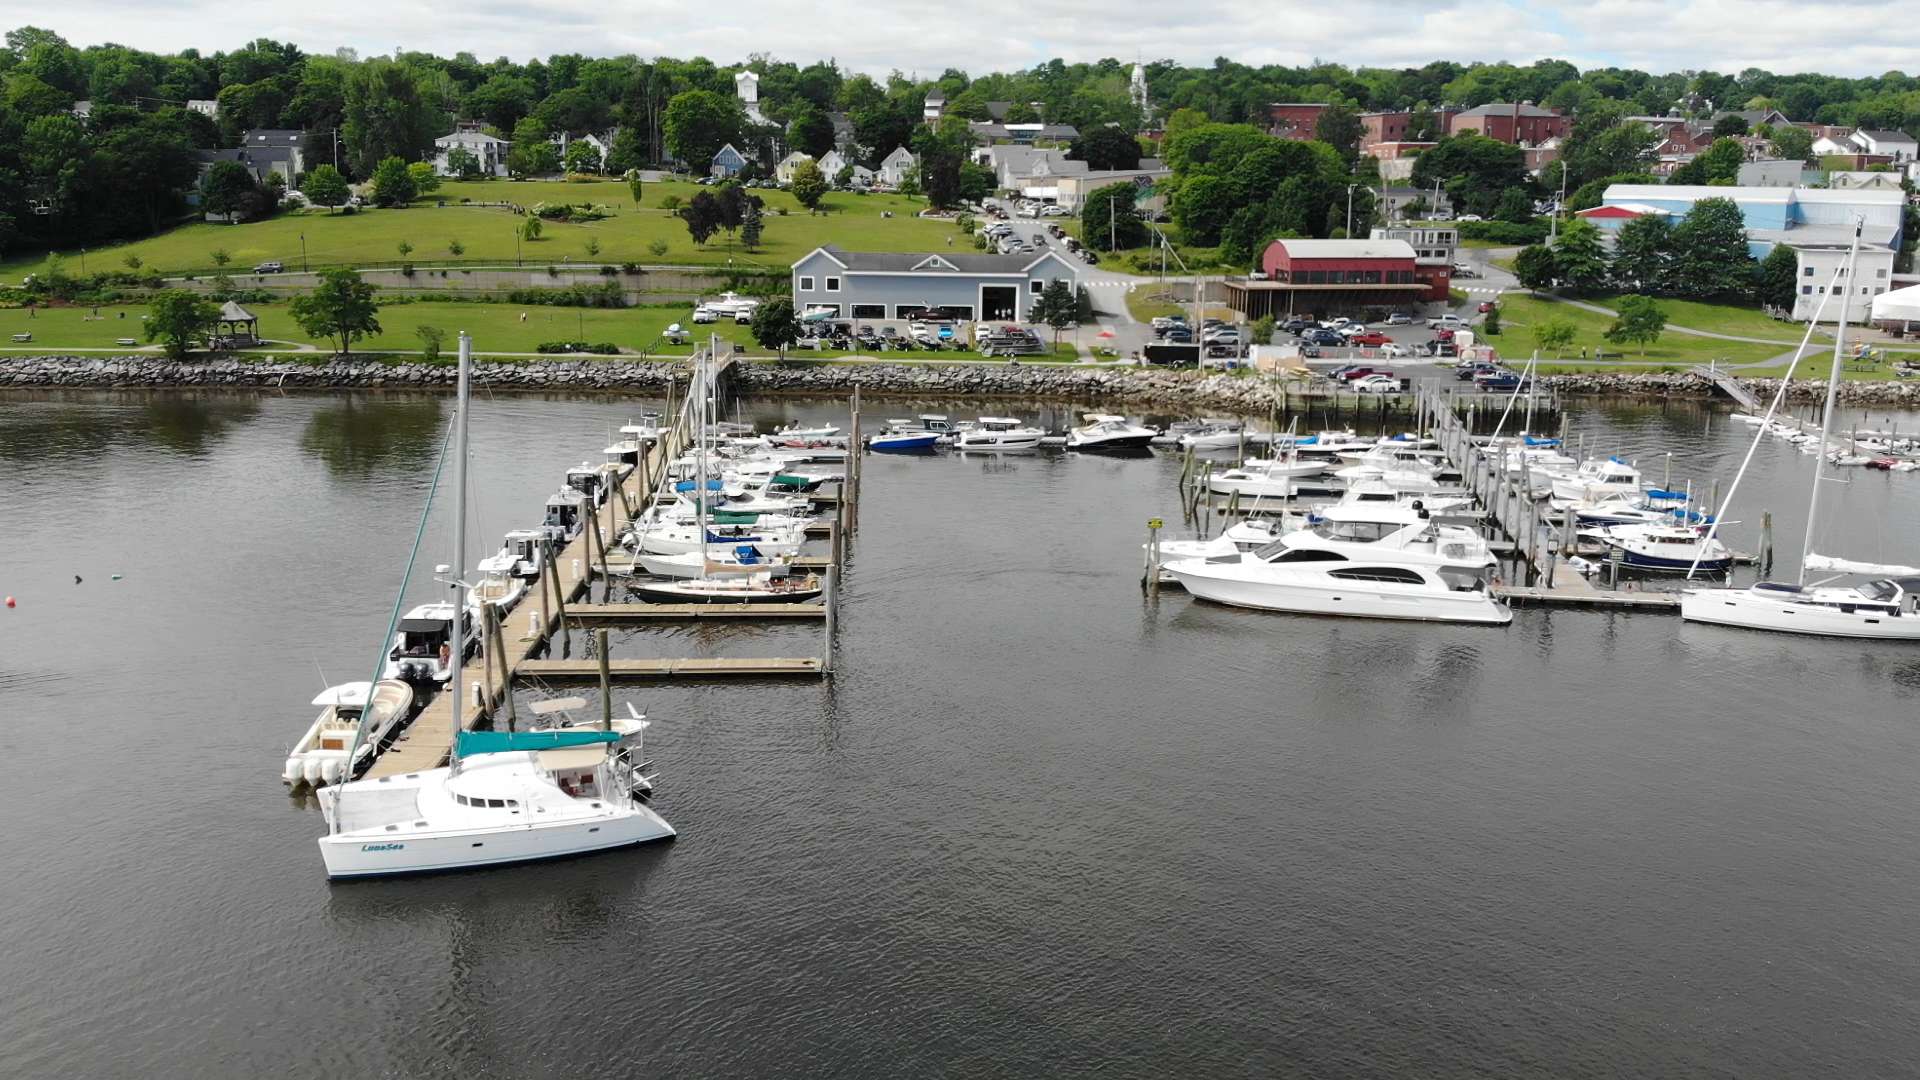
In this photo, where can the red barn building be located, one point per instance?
(1326, 276)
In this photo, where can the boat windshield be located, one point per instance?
(1882, 590)
(1356, 532)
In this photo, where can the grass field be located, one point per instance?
(489, 235)
(1519, 313)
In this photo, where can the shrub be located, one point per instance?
(608, 270)
(603, 348)
(658, 249)
(606, 294)
(670, 202)
(633, 267)
(406, 269)
(1503, 232)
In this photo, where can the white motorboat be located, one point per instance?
(1597, 480)
(498, 586)
(566, 514)
(1398, 479)
(423, 645)
(804, 431)
(732, 305)
(1213, 434)
(645, 430)
(1287, 465)
(523, 545)
(903, 435)
(1104, 431)
(760, 588)
(588, 479)
(543, 795)
(1258, 481)
(717, 559)
(1241, 536)
(998, 433)
(355, 718)
(1374, 491)
(1668, 546)
(1886, 609)
(1639, 508)
(1317, 582)
(1395, 457)
(1400, 534)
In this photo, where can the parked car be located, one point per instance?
(1295, 325)
(1500, 381)
(1485, 306)
(1179, 335)
(1448, 320)
(1471, 217)
(1473, 372)
(1323, 337)
(1355, 371)
(1377, 383)
(1395, 350)
(1088, 254)
(1340, 373)
(1399, 318)
(1053, 211)
(271, 267)
(1370, 338)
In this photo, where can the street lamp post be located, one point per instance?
(303, 253)
(1350, 188)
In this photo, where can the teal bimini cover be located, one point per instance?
(468, 743)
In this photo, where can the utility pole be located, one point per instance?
(1350, 188)
(303, 253)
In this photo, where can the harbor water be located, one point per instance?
(1036, 825)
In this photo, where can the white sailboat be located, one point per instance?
(1882, 609)
(505, 797)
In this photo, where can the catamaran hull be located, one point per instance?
(1310, 599)
(1740, 608)
(364, 855)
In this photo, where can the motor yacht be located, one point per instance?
(998, 433)
(1105, 431)
(1312, 581)
(367, 712)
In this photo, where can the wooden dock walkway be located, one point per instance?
(527, 632)
(711, 667)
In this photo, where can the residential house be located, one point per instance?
(727, 161)
(1830, 143)
(600, 142)
(831, 163)
(989, 132)
(206, 107)
(891, 285)
(1433, 246)
(1869, 181)
(896, 167)
(81, 110)
(1897, 146)
(488, 150)
(1769, 172)
(265, 152)
(1755, 118)
(1031, 172)
(1817, 223)
(1071, 190)
(935, 104)
(783, 172)
(1522, 123)
(1396, 202)
(1294, 119)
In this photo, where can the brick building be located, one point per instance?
(1294, 119)
(1522, 123)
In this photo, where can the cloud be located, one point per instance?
(1842, 37)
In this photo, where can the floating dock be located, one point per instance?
(712, 667)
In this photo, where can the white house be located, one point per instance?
(783, 172)
(831, 164)
(602, 144)
(896, 167)
(206, 107)
(1881, 181)
(1827, 144)
(1897, 145)
(489, 151)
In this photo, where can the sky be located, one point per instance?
(1837, 37)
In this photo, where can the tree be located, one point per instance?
(1778, 280)
(1058, 307)
(635, 185)
(1203, 207)
(1491, 324)
(533, 154)
(340, 308)
(592, 247)
(810, 130)
(581, 157)
(456, 249)
(809, 185)
(1793, 143)
(1262, 330)
(1515, 206)
(227, 188)
(425, 180)
(1640, 321)
(1106, 148)
(1474, 169)
(431, 338)
(175, 317)
(392, 183)
(385, 116)
(703, 216)
(1535, 267)
(1553, 335)
(327, 187)
(699, 122)
(628, 152)
(909, 186)
(220, 256)
(531, 228)
(1339, 127)
(750, 225)
(462, 163)
(1110, 219)
(1579, 257)
(977, 181)
(405, 249)
(942, 154)
(843, 179)
(657, 248)
(1729, 125)
(1643, 255)
(774, 326)
(1710, 252)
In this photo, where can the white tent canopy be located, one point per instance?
(1898, 305)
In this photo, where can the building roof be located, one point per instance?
(1346, 249)
(1884, 136)
(232, 312)
(1495, 108)
(945, 262)
(1657, 193)
(468, 137)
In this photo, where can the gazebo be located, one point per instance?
(240, 326)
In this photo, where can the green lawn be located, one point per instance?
(1149, 301)
(1519, 312)
(488, 235)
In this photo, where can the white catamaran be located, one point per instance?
(1885, 608)
(505, 797)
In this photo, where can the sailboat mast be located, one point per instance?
(457, 653)
(700, 448)
(1833, 391)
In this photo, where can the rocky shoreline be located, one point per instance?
(1079, 383)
